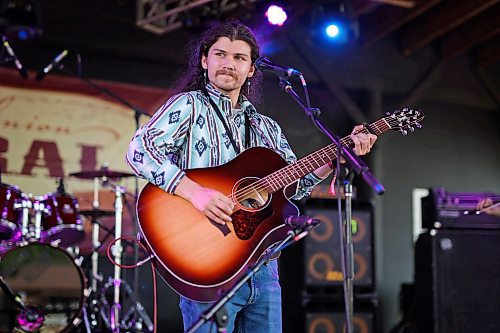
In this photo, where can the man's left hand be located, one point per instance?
(363, 143)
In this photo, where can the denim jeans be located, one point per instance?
(255, 308)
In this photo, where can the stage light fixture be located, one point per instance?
(276, 15)
(333, 22)
(20, 19)
(332, 30)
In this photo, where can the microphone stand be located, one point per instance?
(354, 162)
(218, 309)
(360, 168)
(137, 115)
(348, 257)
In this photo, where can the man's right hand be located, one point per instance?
(213, 204)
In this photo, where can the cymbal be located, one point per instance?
(96, 213)
(101, 174)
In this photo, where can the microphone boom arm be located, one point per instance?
(354, 162)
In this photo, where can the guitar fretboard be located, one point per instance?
(291, 173)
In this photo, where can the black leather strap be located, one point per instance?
(228, 130)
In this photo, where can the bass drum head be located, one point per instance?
(48, 280)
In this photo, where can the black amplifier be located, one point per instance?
(441, 209)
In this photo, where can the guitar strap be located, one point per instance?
(228, 130)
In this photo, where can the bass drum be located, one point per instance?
(48, 281)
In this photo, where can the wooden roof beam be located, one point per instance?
(441, 19)
(472, 33)
(361, 7)
(488, 53)
(386, 19)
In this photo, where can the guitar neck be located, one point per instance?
(293, 172)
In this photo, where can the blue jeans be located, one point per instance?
(255, 308)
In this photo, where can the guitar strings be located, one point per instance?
(274, 178)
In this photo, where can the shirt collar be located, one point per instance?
(224, 102)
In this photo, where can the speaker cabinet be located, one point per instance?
(322, 249)
(457, 279)
(334, 322)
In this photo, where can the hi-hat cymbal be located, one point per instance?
(95, 213)
(101, 174)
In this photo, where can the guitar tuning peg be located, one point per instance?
(418, 125)
(387, 113)
(412, 129)
(404, 132)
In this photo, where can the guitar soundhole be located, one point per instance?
(249, 195)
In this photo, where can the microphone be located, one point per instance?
(301, 221)
(41, 73)
(22, 71)
(265, 64)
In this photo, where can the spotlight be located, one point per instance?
(332, 30)
(332, 22)
(276, 15)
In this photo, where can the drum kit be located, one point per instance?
(48, 286)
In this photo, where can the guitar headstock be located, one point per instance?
(404, 120)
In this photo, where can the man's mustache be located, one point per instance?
(226, 72)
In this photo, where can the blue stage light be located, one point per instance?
(332, 30)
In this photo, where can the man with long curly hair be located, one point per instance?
(207, 123)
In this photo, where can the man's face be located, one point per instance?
(229, 64)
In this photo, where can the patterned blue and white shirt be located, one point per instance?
(186, 133)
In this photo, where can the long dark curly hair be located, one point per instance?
(192, 78)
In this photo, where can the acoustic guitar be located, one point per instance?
(201, 259)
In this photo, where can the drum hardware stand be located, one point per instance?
(95, 277)
(111, 315)
(96, 244)
(137, 114)
(30, 319)
(135, 319)
(113, 319)
(92, 310)
(96, 225)
(142, 320)
(95, 238)
(117, 251)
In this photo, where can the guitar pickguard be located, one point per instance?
(245, 223)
